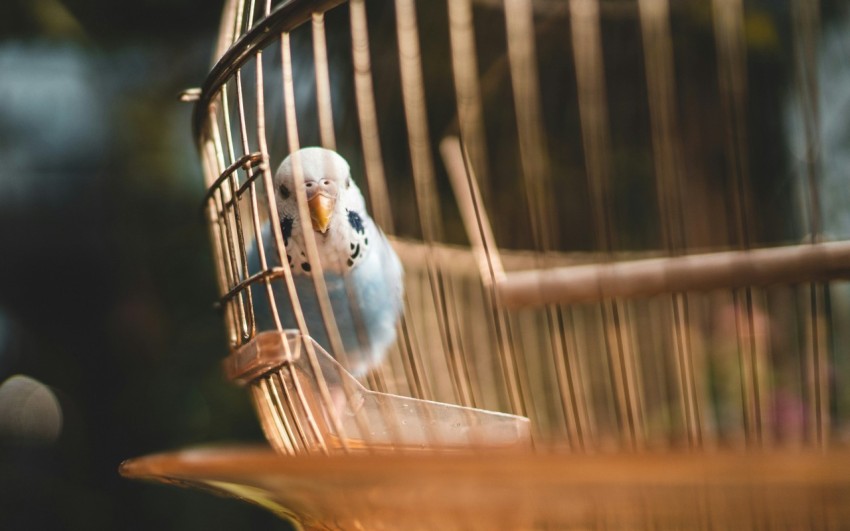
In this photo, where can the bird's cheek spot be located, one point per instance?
(286, 229)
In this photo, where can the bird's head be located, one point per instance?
(327, 181)
(337, 208)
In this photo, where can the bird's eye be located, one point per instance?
(284, 191)
(348, 182)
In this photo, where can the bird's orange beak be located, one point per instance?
(321, 211)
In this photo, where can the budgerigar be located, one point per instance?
(363, 274)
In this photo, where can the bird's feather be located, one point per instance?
(363, 274)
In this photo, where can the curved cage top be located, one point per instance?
(613, 219)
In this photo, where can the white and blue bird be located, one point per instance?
(363, 274)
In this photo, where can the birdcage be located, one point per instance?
(623, 303)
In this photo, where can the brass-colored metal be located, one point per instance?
(806, 25)
(474, 491)
(468, 90)
(730, 38)
(367, 117)
(376, 179)
(323, 82)
(284, 17)
(658, 50)
(245, 162)
(681, 342)
(430, 216)
(587, 50)
(311, 248)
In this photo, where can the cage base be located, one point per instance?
(520, 490)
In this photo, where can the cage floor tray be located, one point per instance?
(507, 490)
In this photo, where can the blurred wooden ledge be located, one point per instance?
(791, 264)
(573, 278)
(500, 490)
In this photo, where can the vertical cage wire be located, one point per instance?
(483, 134)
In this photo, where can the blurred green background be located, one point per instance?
(106, 282)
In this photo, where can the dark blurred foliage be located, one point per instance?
(106, 281)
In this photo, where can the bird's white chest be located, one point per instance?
(339, 252)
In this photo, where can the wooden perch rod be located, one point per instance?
(698, 272)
